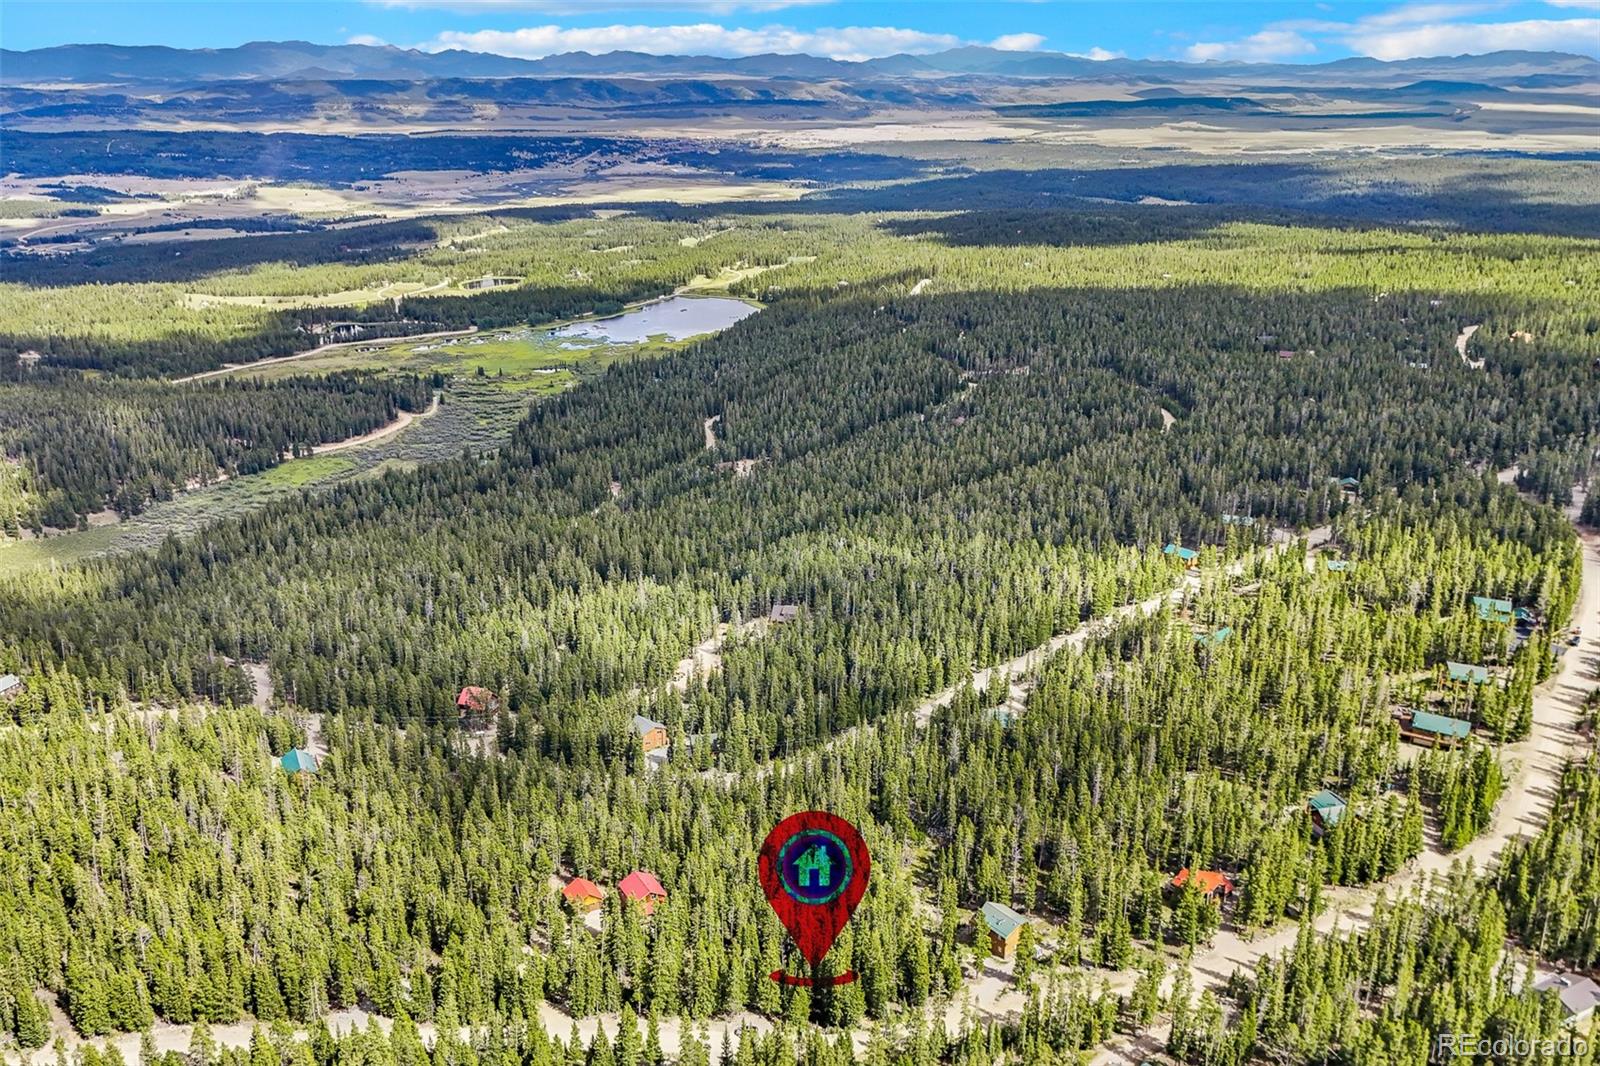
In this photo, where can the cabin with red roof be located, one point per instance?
(477, 705)
(583, 894)
(642, 887)
(1214, 884)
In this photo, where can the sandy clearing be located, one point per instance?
(1168, 419)
(405, 419)
(711, 432)
(262, 676)
(1461, 346)
(920, 287)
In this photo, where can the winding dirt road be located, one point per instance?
(405, 419)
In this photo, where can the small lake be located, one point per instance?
(676, 318)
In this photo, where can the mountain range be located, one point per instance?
(86, 64)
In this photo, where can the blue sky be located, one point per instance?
(1263, 30)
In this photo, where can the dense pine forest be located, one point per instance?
(82, 445)
(946, 439)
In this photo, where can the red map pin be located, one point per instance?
(814, 868)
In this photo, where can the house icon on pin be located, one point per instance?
(815, 865)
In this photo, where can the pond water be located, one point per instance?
(676, 318)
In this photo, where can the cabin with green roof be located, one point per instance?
(1336, 566)
(1005, 926)
(1466, 673)
(1493, 610)
(1327, 810)
(298, 761)
(1215, 637)
(1425, 727)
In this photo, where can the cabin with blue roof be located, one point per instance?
(1435, 730)
(1348, 484)
(1493, 610)
(298, 761)
(1337, 566)
(1215, 637)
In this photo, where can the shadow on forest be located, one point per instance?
(1194, 196)
(119, 262)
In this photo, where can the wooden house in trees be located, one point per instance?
(1187, 556)
(1348, 485)
(10, 685)
(477, 707)
(583, 894)
(299, 763)
(1004, 926)
(1434, 730)
(1327, 810)
(1493, 610)
(783, 612)
(651, 733)
(642, 888)
(1213, 884)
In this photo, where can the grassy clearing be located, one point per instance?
(298, 473)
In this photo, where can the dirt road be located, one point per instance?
(405, 419)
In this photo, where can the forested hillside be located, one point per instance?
(80, 445)
(937, 475)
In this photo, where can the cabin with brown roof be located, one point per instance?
(642, 888)
(783, 612)
(583, 894)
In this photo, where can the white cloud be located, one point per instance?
(1412, 14)
(705, 38)
(1098, 54)
(1410, 30)
(1457, 38)
(1267, 46)
(366, 38)
(1018, 42)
